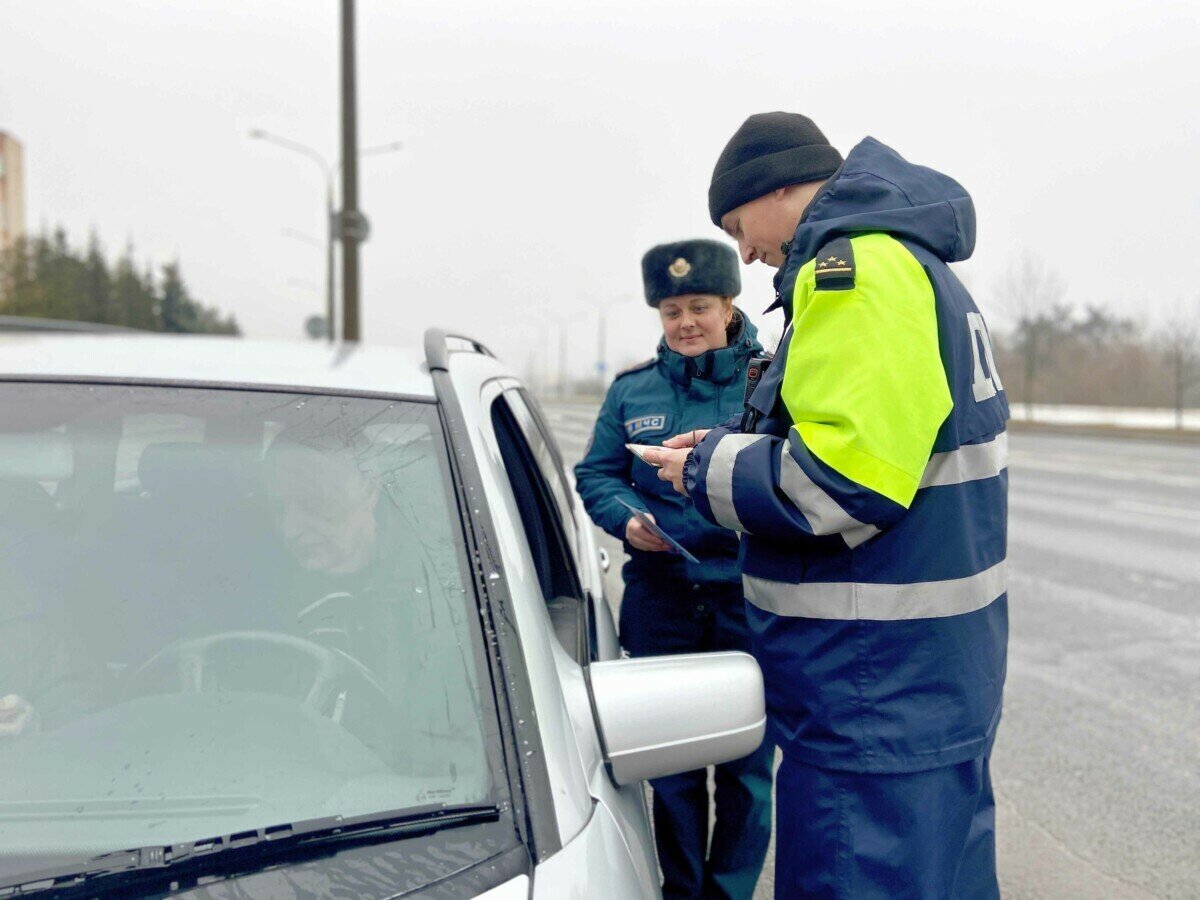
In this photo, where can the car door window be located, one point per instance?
(543, 526)
(549, 463)
(555, 471)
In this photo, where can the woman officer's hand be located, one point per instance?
(642, 537)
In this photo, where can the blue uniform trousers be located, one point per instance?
(923, 835)
(661, 615)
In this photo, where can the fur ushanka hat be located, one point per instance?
(698, 266)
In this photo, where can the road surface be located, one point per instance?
(1097, 765)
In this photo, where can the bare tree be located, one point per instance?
(1033, 294)
(1180, 342)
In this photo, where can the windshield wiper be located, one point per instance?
(237, 849)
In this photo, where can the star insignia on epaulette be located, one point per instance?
(835, 272)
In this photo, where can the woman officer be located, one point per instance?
(672, 605)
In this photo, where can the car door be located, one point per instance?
(549, 512)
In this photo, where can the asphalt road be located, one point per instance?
(1097, 765)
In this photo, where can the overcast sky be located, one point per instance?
(548, 144)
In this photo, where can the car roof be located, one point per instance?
(228, 361)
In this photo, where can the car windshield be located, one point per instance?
(225, 609)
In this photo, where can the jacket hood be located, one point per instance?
(875, 190)
(719, 366)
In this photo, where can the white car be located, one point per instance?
(299, 620)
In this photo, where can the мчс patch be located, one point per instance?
(642, 424)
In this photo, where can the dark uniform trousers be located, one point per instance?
(664, 615)
(920, 835)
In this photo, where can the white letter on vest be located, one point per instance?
(983, 386)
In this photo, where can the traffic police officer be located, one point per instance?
(868, 478)
(672, 605)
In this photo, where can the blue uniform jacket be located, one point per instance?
(646, 405)
(881, 624)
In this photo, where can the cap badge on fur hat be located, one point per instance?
(697, 266)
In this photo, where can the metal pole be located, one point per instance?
(350, 236)
(562, 358)
(328, 173)
(601, 350)
(330, 322)
(335, 225)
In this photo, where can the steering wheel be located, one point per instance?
(335, 672)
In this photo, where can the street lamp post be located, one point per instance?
(328, 173)
(352, 225)
(602, 309)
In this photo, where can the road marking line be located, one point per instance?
(1155, 509)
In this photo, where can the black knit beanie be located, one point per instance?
(770, 150)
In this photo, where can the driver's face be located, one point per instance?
(324, 509)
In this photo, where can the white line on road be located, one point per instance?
(1157, 509)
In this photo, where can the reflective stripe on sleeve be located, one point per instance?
(719, 479)
(879, 602)
(970, 462)
(823, 513)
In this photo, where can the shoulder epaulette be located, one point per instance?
(835, 266)
(638, 367)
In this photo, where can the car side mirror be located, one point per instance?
(662, 715)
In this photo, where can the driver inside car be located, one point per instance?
(350, 554)
(343, 579)
(362, 578)
(324, 505)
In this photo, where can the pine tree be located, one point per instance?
(15, 276)
(126, 291)
(97, 290)
(178, 311)
(43, 277)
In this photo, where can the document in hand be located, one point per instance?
(639, 450)
(658, 532)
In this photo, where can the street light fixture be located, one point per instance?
(602, 308)
(302, 236)
(328, 172)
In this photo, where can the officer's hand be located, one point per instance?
(670, 463)
(642, 537)
(687, 439)
(16, 715)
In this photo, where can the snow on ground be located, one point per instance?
(1113, 416)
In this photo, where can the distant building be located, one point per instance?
(12, 190)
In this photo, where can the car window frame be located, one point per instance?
(538, 418)
(529, 484)
(537, 425)
(549, 462)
